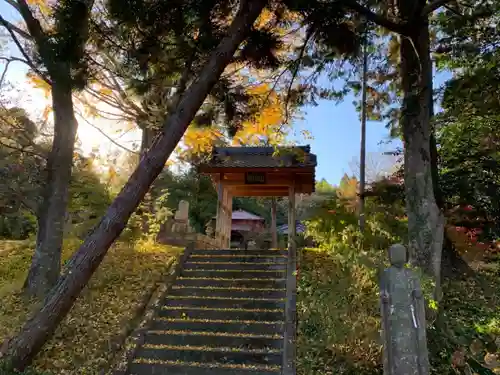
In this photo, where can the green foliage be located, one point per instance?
(21, 163)
(17, 226)
(469, 159)
(6, 369)
(196, 189)
(330, 221)
(337, 307)
(145, 223)
(467, 329)
(67, 43)
(89, 198)
(339, 310)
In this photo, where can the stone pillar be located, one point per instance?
(291, 217)
(403, 318)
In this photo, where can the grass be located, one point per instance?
(94, 330)
(339, 321)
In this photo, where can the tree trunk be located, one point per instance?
(274, 230)
(20, 351)
(46, 262)
(425, 221)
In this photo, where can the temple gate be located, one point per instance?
(258, 171)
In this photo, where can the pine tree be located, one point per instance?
(53, 46)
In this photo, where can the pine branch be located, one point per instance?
(375, 18)
(18, 30)
(33, 25)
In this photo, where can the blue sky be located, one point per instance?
(336, 132)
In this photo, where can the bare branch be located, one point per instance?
(432, 6)
(109, 100)
(295, 73)
(8, 60)
(18, 30)
(107, 136)
(29, 62)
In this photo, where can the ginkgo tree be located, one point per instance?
(51, 40)
(266, 126)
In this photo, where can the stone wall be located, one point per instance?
(200, 241)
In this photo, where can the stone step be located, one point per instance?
(209, 357)
(224, 303)
(178, 368)
(232, 282)
(223, 314)
(239, 252)
(237, 274)
(250, 343)
(211, 291)
(224, 326)
(204, 265)
(238, 258)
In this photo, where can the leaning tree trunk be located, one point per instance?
(46, 262)
(425, 221)
(20, 351)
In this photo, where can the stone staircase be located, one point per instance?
(224, 314)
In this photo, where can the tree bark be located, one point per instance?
(46, 263)
(20, 351)
(425, 221)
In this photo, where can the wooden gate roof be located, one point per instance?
(260, 157)
(282, 167)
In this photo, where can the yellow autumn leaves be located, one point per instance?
(266, 126)
(41, 4)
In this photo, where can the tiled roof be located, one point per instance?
(261, 157)
(244, 215)
(299, 228)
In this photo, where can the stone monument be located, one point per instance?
(403, 318)
(209, 230)
(181, 218)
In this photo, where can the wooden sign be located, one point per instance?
(255, 178)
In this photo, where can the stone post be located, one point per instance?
(403, 318)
